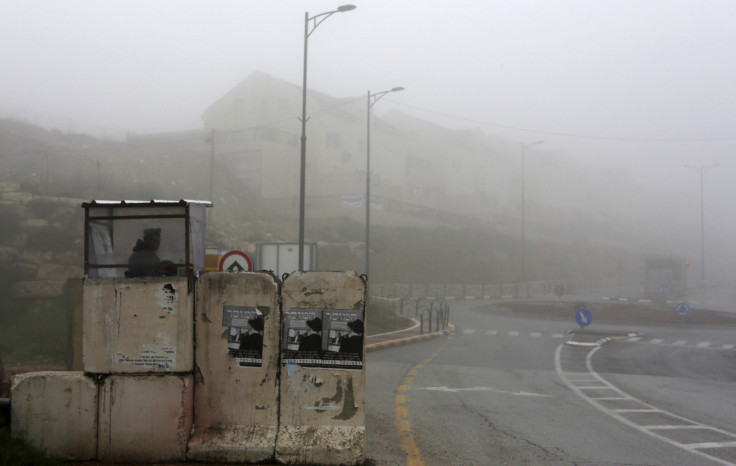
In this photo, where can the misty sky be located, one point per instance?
(642, 86)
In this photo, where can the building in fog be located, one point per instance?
(418, 170)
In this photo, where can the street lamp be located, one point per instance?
(310, 24)
(523, 207)
(372, 99)
(702, 168)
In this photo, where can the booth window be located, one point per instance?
(144, 238)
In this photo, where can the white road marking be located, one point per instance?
(656, 341)
(469, 331)
(651, 430)
(703, 344)
(513, 334)
(535, 334)
(482, 389)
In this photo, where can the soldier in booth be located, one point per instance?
(144, 262)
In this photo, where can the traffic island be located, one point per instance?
(588, 338)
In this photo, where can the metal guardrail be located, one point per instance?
(434, 311)
(534, 289)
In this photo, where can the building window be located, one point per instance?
(332, 140)
(238, 105)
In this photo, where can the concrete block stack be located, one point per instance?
(250, 371)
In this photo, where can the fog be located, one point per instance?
(640, 94)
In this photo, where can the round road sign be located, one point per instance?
(583, 317)
(683, 309)
(235, 261)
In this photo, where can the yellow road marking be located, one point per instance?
(401, 413)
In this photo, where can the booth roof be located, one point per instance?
(152, 202)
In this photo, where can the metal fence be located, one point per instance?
(433, 313)
(535, 289)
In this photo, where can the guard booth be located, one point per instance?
(664, 277)
(119, 232)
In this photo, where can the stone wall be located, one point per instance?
(41, 247)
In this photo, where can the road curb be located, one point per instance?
(599, 342)
(405, 341)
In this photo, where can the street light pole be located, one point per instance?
(372, 99)
(212, 170)
(702, 169)
(523, 207)
(310, 24)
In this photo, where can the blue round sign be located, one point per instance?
(683, 309)
(583, 317)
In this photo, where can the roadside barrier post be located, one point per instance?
(322, 415)
(237, 322)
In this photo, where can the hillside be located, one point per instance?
(177, 165)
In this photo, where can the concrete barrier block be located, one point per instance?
(418, 291)
(493, 291)
(403, 291)
(322, 417)
(436, 291)
(474, 291)
(55, 412)
(145, 418)
(137, 326)
(324, 445)
(455, 291)
(237, 386)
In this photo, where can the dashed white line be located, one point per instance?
(632, 339)
(571, 378)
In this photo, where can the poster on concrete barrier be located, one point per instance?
(302, 341)
(344, 331)
(244, 334)
(323, 338)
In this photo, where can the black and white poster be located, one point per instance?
(302, 342)
(344, 331)
(244, 334)
(323, 338)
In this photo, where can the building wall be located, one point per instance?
(413, 161)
